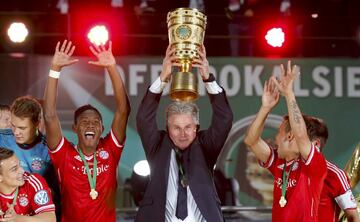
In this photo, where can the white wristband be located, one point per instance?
(54, 74)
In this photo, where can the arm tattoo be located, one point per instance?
(296, 112)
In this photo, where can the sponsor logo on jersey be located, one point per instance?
(23, 201)
(104, 155)
(291, 183)
(99, 170)
(41, 197)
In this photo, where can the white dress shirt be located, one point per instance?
(194, 214)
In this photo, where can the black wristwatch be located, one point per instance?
(210, 79)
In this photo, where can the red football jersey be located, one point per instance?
(304, 186)
(77, 204)
(34, 197)
(336, 194)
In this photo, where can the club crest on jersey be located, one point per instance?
(23, 201)
(36, 164)
(104, 155)
(295, 167)
(41, 197)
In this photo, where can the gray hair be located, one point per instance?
(183, 108)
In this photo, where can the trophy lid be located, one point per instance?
(180, 12)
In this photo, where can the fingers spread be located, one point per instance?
(68, 47)
(102, 48)
(63, 46)
(97, 63)
(110, 46)
(93, 50)
(72, 50)
(57, 46)
(282, 70)
(266, 86)
(73, 61)
(289, 67)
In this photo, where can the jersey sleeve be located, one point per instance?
(315, 164)
(113, 145)
(58, 155)
(40, 195)
(346, 200)
(270, 163)
(340, 187)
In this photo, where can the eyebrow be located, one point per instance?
(14, 167)
(21, 126)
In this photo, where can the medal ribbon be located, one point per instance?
(15, 196)
(182, 175)
(92, 180)
(285, 179)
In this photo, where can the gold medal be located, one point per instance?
(93, 194)
(282, 201)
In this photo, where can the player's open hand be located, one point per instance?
(62, 55)
(104, 56)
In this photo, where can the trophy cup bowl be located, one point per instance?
(186, 30)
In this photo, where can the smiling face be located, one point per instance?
(11, 173)
(88, 128)
(25, 131)
(182, 129)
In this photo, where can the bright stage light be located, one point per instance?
(275, 37)
(142, 168)
(98, 35)
(17, 32)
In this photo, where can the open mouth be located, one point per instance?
(89, 135)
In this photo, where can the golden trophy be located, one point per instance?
(352, 170)
(186, 29)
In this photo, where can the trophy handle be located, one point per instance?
(353, 167)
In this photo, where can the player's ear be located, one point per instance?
(290, 136)
(317, 143)
(74, 128)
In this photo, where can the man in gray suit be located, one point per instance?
(182, 158)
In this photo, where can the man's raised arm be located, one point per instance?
(253, 138)
(61, 58)
(107, 60)
(297, 123)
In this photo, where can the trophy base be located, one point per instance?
(184, 87)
